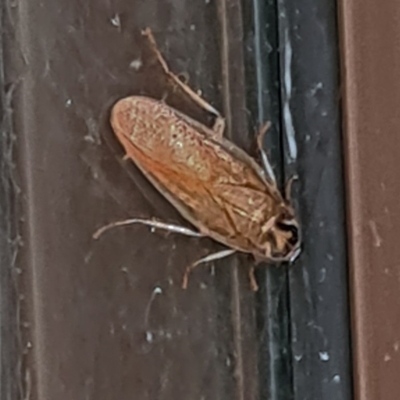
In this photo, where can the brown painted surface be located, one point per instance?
(108, 319)
(371, 70)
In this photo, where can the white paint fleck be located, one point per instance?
(116, 21)
(68, 103)
(149, 337)
(287, 115)
(314, 89)
(157, 290)
(193, 27)
(298, 357)
(136, 64)
(324, 356)
(336, 378)
(387, 357)
(375, 234)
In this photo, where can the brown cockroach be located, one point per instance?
(213, 184)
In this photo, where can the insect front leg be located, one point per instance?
(264, 158)
(219, 124)
(152, 223)
(210, 257)
(288, 187)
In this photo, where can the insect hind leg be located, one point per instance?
(219, 123)
(211, 257)
(252, 279)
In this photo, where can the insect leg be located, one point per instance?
(288, 188)
(219, 127)
(266, 164)
(210, 257)
(253, 280)
(219, 123)
(152, 223)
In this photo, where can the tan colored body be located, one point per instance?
(215, 185)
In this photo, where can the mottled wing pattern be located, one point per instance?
(224, 194)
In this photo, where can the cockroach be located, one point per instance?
(216, 186)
